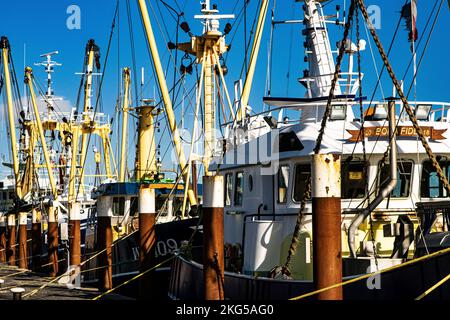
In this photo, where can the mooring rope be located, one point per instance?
(399, 266)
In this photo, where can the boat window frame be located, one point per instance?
(411, 182)
(343, 179)
(120, 205)
(277, 190)
(235, 204)
(230, 204)
(446, 173)
(296, 165)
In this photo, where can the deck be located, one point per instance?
(14, 277)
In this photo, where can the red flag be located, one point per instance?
(414, 33)
(409, 13)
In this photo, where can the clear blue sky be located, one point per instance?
(41, 25)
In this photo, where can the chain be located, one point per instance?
(298, 225)
(406, 105)
(307, 194)
(362, 132)
(326, 115)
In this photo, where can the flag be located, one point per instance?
(409, 13)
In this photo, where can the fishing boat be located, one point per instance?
(391, 192)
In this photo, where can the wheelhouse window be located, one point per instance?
(353, 181)
(404, 175)
(118, 206)
(228, 188)
(239, 189)
(134, 206)
(283, 183)
(302, 174)
(430, 184)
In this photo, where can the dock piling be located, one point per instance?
(23, 245)
(213, 251)
(11, 249)
(52, 240)
(104, 241)
(36, 234)
(326, 212)
(147, 237)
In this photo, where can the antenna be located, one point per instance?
(211, 17)
(49, 65)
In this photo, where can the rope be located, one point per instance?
(406, 105)
(362, 132)
(295, 239)
(433, 288)
(411, 262)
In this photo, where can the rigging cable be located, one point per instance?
(100, 87)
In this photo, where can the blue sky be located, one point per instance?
(41, 26)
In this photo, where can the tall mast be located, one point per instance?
(125, 108)
(91, 50)
(29, 82)
(49, 65)
(253, 59)
(166, 98)
(208, 48)
(4, 44)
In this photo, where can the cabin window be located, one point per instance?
(250, 183)
(5, 196)
(228, 188)
(134, 206)
(239, 189)
(302, 174)
(431, 186)
(353, 182)
(404, 175)
(289, 142)
(118, 206)
(283, 183)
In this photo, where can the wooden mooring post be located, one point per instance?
(326, 212)
(213, 243)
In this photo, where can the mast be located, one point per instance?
(4, 44)
(125, 108)
(29, 82)
(49, 65)
(146, 165)
(91, 49)
(208, 48)
(253, 59)
(166, 98)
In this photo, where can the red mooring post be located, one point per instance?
(23, 244)
(36, 234)
(75, 238)
(3, 239)
(11, 250)
(52, 240)
(326, 212)
(104, 241)
(213, 241)
(147, 238)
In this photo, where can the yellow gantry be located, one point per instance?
(125, 109)
(87, 105)
(253, 59)
(29, 82)
(166, 98)
(12, 127)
